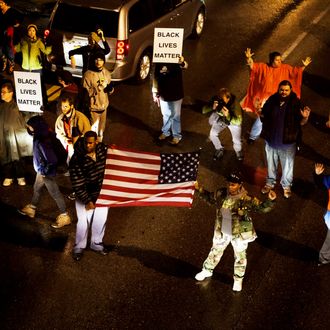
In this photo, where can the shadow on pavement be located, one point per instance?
(20, 230)
(286, 247)
(158, 261)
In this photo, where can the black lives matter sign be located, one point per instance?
(28, 91)
(167, 45)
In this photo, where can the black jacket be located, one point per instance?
(292, 119)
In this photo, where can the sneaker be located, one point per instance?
(201, 276)
(21, 181)
(218, 154)
(28, 210)
(7, 182)
(174, 141)
(62, 220)
(162, 137)
(237, 284)
(266, 189)
(287, 192)
(77, 256)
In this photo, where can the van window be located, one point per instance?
(139, 16)
(161, 7)
(84, 20)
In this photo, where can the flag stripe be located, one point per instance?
(124, 180)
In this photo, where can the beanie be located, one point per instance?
(32, 26)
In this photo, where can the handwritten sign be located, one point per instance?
(28, 91)
(167, 45)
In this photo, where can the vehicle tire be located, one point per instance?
(143, 68)
(198, 27)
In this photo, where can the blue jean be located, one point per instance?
(96, 218)
(256, 129)
(52, 187)
(286, 158)
(171, 112)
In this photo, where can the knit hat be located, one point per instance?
(99, 54)
(94, 37)
(32, 26)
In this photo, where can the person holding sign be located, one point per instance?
(167, 91)
(14, 140)
(32, 48)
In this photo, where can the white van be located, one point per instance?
(128, 26)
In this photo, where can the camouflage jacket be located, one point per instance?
(241, 206)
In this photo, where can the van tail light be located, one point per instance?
(46, 33)
(122, 48)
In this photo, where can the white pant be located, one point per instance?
(235, 130)
(97, 219)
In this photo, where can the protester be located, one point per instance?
(70, 124)
(32, 48)
(87, 168)
(14, 140)
(233, 225)
(45, 163)
(226, 113)
(167, 90)
(89, 51)
(264, 81)
(282, 117)
(98, 85)
(324, 180)
(10, 19)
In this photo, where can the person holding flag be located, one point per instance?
(86, 168)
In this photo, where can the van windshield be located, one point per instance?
(83, 20)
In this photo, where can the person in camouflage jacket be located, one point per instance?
(233, 225)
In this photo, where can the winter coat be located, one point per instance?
(44, 156)
(31, 53)
(14, 139)
(167, 81)
(79, 125)
(292, 120)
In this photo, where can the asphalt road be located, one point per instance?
(147, 281)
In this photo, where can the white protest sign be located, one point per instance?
(28, 91)
(167, 45)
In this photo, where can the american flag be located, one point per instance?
(134, 178)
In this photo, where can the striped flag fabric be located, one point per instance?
(135, 178)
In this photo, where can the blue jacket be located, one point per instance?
(44, 156)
